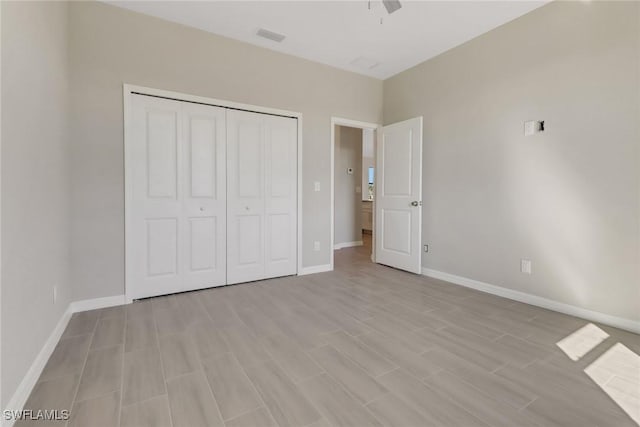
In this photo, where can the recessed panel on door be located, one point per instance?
(161, 153)
(203, 139)
(162, 247)
(396, 231)
(248, 167)
(249, 232)
(203, 235)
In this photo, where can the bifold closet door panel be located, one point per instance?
(155, 205)
(281, 187)
(261, 196)
(205, 199)
(245, 196)
(176, 202)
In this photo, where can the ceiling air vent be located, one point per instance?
(365, 63)
(270, 35)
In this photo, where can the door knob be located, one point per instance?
(416, 203)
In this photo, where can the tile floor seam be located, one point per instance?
(255, 388)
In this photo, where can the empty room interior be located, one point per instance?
(320, 213)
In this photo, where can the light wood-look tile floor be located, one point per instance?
(364, 345)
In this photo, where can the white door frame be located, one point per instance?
(339, 121)
(128, 92)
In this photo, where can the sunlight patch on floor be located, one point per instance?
(617, 372)
(582, 341)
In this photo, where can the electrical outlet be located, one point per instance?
(425, 248)
(316, 246)
(55, 294)
(525, 266)
(316, 186)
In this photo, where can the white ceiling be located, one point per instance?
(345, 34)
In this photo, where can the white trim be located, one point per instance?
(127, 90)
(299, 193)
(315, 269)
(95, 303)
(179, 96)
(339, 121)
(19, 398)
(595, 316)
(347, 245)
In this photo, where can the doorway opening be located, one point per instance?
(353, 178)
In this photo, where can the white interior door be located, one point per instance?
(176, 197)
(261, 196)
(399, 195)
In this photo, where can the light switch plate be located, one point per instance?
(316, 186)
(525, 266)
(529, 127)
(358, 190)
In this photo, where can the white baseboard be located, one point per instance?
(347, 244)
(95, 303)
(315, 269)
(596, 316)
(23, 391)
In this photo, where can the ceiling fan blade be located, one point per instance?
(391, 5)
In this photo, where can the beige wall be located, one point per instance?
(111, 46)
(568, 199)
(35, 182)
(348, 203)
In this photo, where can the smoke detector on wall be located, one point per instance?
(270, 35)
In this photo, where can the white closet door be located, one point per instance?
(281, 187)
(261, 196)
(205, 199)
(176, 204)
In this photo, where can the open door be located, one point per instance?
(399, 195)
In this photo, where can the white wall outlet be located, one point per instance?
(316, 186)
(316, 245)
(525, 266)
(55, 294)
